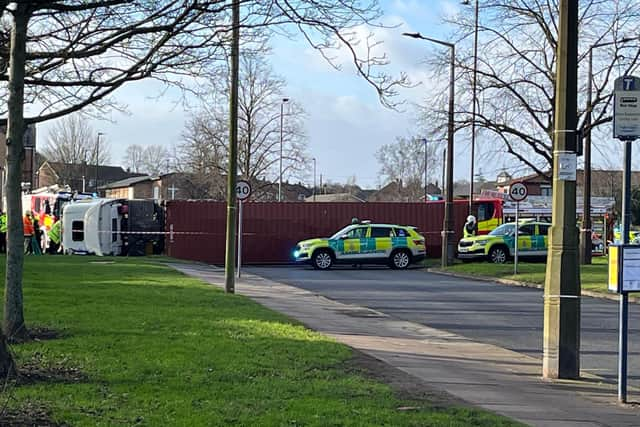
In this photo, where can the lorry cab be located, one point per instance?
(92, 227)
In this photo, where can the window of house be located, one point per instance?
(77, 231)
(545, 190)
(156, 193)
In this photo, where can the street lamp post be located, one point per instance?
(448, 244)
(284, 101)
(98, 158)
(474, 86)
(444, 170)
(426, 158)
(585, 237)
(314, 179)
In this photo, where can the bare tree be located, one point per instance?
(155, 159)
(133, 158)
(404, 161)
(151, 159)
(260, 107)
(71, 141)
(516, 72)
(202, 155)
(73, 55)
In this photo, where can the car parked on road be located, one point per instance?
(499, 245)
(364, 243)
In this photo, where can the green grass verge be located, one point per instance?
(592, 277)
(161, 349)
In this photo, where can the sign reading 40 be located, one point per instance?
(518, 192)
(243, 190)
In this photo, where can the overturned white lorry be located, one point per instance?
(112, 227)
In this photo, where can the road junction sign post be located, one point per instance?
(626, 128)
(518, 192)
(243, 191)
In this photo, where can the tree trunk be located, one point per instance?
(7, 365)
(13, 324)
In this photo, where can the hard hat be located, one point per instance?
(471, 218)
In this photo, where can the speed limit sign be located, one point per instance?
(518, 192)
(243, 190)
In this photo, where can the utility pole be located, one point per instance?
(561, 339)
(444, 168)
(229, 267)
(97, 159)
(284, 100)
(585, 232)
(426, 158)
(314, 179)
(448, 243)
(474, 93)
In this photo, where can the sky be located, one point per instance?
(346, 124)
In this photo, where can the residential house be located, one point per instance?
(79, 177)
(30, 162)
(334, 197)
(170, 186)
(604, 183)
(397, 191)
(265, 191)
(137, 187)
(503, 180)
(537, 184)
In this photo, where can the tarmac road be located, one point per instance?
(507, 316)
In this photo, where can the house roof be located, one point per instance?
(105, 172)
(127, 182)
(536, 177)
(336, 197)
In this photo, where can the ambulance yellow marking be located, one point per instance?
(352, 246)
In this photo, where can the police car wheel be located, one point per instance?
(322, 260)
(498, 255)
(400, 260)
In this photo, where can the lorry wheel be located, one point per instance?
(322, 259)
(400, 260)
(498, 255)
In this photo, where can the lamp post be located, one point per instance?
(448, 244)
(426, 154)
(314, 179)
(585, 232)
(98, 158)
(474, 86)
(444, 169)
(284, 101)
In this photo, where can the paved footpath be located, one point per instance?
(484, 375)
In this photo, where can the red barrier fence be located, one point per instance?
(271, 229)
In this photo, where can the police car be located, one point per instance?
(499, 245)
(395, 245)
